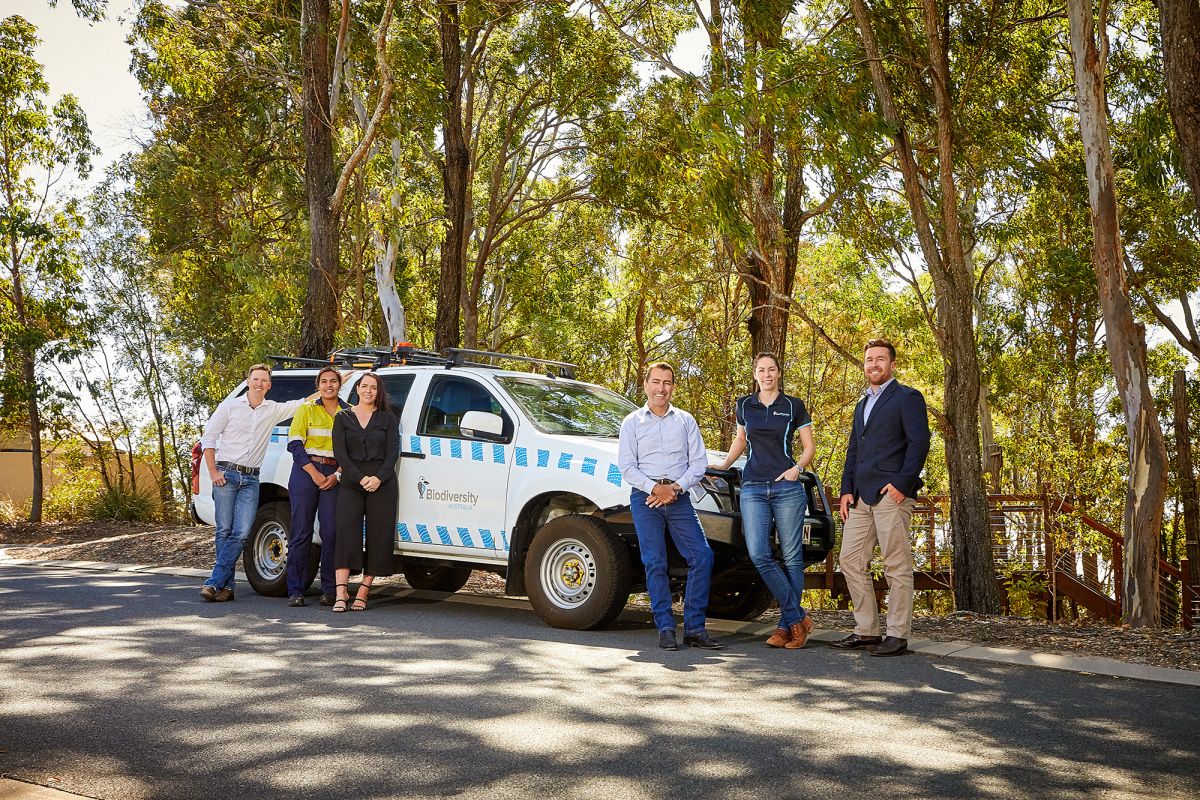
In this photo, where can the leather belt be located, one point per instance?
(664, 481)
(324, 460)
(238, 468)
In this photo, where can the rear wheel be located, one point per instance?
(264, 557)
(434, 577)
(577, 573)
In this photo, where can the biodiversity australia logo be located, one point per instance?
(457, 499)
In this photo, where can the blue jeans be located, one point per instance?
(236, 506)
(784, 503)
(680, 521)
(308, 502)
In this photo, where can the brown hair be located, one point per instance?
(770, 355)
(329, 369)
(891, 348)
(659, 365)
(382, 401)
(255, 368)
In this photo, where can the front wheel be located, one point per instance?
(264, 558)
(577, 572)
(743, 599)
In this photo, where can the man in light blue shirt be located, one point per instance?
(661, 457)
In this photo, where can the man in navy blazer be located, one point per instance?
(888, 445)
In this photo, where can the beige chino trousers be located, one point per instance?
(886, 522)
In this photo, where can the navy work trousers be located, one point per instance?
(309, 502)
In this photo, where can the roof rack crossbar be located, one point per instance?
(376, 357)
(459, 357)
(279, 362)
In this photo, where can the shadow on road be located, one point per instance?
(129, 686)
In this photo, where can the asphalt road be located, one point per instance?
(128, 686)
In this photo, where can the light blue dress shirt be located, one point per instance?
(872, 398)
(653, 447)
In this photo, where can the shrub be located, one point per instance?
(121, 503)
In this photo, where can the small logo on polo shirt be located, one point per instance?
(781, 413)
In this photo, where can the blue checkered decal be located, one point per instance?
(614, 474)
(521, 457)
(452, 537)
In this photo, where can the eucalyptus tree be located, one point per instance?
(771, 131)
(1180, 27)
(961, 89)
(39, 147)
(1157, 211)
(219, 187)
(1125, 339)
(326, 183)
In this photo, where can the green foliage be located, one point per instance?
(1026, 593)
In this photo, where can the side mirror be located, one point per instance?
(481, 425)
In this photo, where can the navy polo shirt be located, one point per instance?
(769, 432)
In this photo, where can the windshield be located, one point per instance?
(575, 409)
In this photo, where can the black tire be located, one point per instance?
(264, 558)
(577, 573)
(434, 577)
(738, 598)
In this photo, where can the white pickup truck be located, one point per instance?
(512, 472)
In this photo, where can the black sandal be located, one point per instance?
(345, 601)
(354, 603)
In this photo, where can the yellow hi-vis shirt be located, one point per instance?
(312, 428)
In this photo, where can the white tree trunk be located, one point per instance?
(385, 282)
(1126, 343)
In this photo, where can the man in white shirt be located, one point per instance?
(661, 457)
(235, 443)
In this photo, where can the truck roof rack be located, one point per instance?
(404, 353)
(459, 356)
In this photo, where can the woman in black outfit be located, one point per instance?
(366, 443)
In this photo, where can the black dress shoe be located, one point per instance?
(328, 599)
(295, 601)
(667, 640)
(702, 641)
(854, 641)
(891, 646)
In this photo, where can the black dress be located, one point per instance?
(360, 451)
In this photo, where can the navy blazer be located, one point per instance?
(890, 448)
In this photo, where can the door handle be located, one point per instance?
(411, 455)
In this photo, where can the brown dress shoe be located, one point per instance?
(209, 593)
(800, 631)
(224, 595)
(779, 638)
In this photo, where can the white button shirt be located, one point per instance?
(240, 433)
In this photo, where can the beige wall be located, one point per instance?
(16, 474)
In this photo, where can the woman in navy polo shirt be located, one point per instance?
(771, 492)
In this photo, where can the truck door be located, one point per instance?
(452, 501)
